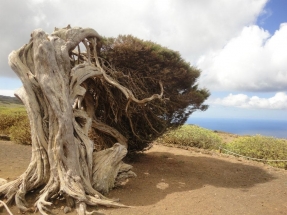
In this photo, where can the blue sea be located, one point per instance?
(274, 128)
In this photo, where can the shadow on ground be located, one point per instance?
(162, 173)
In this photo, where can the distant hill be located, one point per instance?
(7, 100)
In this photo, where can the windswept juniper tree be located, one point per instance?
(88, 108)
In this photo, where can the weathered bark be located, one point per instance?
(107, 172)
(53, 92)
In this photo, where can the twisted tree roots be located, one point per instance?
(63, 160)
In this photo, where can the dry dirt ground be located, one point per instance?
(177, 181)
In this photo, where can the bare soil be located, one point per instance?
(177, 181)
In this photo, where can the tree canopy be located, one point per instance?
(145, 68)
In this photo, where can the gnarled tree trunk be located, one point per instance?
(54, 90)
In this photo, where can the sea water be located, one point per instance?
(274, 128)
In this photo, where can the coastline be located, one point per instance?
(265, 127)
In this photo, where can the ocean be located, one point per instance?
(274, 128)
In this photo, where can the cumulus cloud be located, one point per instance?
(191, 27)
(252, 61)
(17, 19)
(278, 101)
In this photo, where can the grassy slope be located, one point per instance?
(10, 102)
(8, 105)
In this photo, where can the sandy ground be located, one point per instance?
(177, 181)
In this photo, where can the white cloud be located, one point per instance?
(278, 101)
(252, 61)
(7, 93)
(191, 27)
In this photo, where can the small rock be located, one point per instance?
(67, 209)
(162, 185)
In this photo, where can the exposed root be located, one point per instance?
(42, 203)
(42, 206)
(82, 210)
(6, 207)
(94, 212)
(104, 202)
(108, 168)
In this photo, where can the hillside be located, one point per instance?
(7, 100)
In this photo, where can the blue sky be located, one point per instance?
(239, 45)
(274, 15)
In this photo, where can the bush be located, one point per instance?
(20, 132)
(192, 135)
(9, 117)
(261, 147)
(15, 124)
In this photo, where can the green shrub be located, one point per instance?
(9, 117)
(192, 135)
(15, 124)
(20, 132)
(261, 147)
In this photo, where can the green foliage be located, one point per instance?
(141, 66)
(20, 132)
(261, 147)
(9, 116)
(192, 135)
(14, 123)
